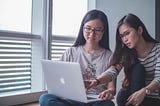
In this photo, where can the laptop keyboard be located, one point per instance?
(89, 98)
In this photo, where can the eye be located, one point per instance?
(126, 33)
(88, 29)
(121, 36)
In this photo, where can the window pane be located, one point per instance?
(15, 17)
(67, 16)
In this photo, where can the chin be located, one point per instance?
(130, 47)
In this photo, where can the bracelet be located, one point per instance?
(97, 81)
(147, 90)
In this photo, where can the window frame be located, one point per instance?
(40, 37)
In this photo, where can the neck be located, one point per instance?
(144, 48)
(92, 49)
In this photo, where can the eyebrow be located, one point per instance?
(94, 27)
(124, 32)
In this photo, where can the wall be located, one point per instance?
(116, 9)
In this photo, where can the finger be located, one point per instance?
(101, 95)
(130, 101)
(129, 98)
(109, 97)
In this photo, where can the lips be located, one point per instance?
(127, 44)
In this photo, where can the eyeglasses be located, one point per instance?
(125, 34)
(94, 30)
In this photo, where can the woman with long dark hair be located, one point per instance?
(91, 50)
(134, 45)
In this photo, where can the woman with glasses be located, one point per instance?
(141, 84)
(91, 50)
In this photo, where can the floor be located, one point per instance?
(30, 104)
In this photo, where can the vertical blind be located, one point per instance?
(15, 65)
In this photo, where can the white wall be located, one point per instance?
(116, 9)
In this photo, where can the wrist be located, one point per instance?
(147, 91)
(112, 91)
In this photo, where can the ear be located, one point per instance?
(140, 30)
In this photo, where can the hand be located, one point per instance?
(136, 98)
(106, 95)
(90, 83)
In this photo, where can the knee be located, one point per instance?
(138, 69)
(45, 98)
(122, 97)
(138, 73)
(42, 99)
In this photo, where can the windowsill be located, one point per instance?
(20, 99)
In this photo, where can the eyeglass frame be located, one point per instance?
(125, 34)
(95, 31)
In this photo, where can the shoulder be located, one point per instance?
(157, 45)
(73, 50)
(156, 49)
(107, 52)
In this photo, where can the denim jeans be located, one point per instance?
(52, 100)
(137, 81)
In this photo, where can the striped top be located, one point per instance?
(152, 68)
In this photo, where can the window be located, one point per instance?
(15, 15)
(25, 39)
(65, 24)
(67, 15)
(16, 54)
(21, 50)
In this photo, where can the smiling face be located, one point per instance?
(129, 36)
(93, 31)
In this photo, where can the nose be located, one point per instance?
(125, 39)
(92, 32)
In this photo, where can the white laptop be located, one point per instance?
(64, 79)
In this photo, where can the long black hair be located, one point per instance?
(122, 54)
(92, 15)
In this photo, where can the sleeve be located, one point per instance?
(67, 55)
(109, 56)
(157, 70)
(112, 72)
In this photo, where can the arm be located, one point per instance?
(110, 92)
(109, 75)
(106, 77)
(151, 87)
(155, 84)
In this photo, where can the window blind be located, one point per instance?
(15, 65)
(59, 46)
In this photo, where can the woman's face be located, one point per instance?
(130, 37)
(93, 31)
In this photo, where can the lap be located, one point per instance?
(52, 100)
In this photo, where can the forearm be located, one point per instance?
(104, 78)
(152, 86)
(112, 87)
(109, 75)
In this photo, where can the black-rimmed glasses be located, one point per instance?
(94, 30)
